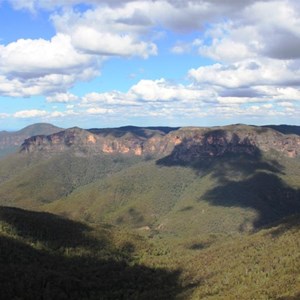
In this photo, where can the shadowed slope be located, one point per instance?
(78, 267)
(244, 177)
(286, 129)
(50, 229)
(144, 132)
(264, 192)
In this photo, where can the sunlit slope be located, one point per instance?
(264, 265)
(188, 181)
(30, 181)
(228, 195)
(136, 196)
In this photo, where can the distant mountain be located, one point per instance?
(239, 177)
(191, 142)
(139, 131)
(11, 141)
(142, 213)
(286, 129)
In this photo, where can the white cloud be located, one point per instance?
(160, 98)
(92, 41)
(43, 115)
(151, 91)
(33, 67)
(162, 90)
(34, 113)
(226, 50)
(181, 48)
(62, 98)
(113, 98)
(27, 59)
(108, 31)
(57, 114)
(247, 73)
(262, 28)
(255, 45)
(98, 111)
(3, 115)
(287, 93)
(286, 104)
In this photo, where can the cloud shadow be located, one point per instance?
(244, 177)
(30, 272)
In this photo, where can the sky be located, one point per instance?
(109, 63)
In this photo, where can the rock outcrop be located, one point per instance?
(10, 141)
(183, 144)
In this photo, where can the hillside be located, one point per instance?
(264, 265)
(286, 129)
(46, 256)
(191, 180)
(152, 213)
(11, 141)
(43, 256)
(178, 200)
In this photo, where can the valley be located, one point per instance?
(172, 213)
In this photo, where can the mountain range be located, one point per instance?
(190, 192)
(158, 178)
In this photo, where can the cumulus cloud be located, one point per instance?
(108, 31)
(251, 87)
(23, 114)
(27, 59)
(98, 111)
(262, 28)
(254, 45)
(82, 42)
(161, 98)
(247, 73)
(162, 90)
(151, 92)
(108, 44)
(32, 67)
(113, 98)
(62, 98)
(42, 115)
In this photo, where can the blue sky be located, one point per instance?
(107, 63)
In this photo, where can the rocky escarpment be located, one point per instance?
(182, 144)
(10, 141)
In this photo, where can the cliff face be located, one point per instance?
(10, 141)
(183, 144)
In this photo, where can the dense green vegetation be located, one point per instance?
(125, 227)
(33, 180)
(264, 265)
(224, 196)
(227, 194)
(43, 256)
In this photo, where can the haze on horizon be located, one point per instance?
(100, 63)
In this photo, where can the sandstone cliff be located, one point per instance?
(11, 141)
(183, 144)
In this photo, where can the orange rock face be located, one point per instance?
(185, 143)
